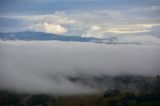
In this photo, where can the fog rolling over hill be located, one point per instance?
(56, 67)
(42, 36)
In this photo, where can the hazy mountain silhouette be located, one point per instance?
(48, 36)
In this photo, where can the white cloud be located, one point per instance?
(99, 23)
(55, 18)
(57, 29)
(104, 31)
(96, 28)
(93, 32)
(49, 28)
(41, 66)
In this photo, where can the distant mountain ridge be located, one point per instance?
(27, 36)
(41, 36)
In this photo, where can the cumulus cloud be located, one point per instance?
(57, 29)
(41, 66)
(49, 28)
(95, 28)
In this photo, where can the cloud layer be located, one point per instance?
(100, 18)
(93, 23)
(40, 66)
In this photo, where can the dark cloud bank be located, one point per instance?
(52, 66)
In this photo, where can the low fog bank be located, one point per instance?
(52, 66)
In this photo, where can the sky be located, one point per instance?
(86, 18)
